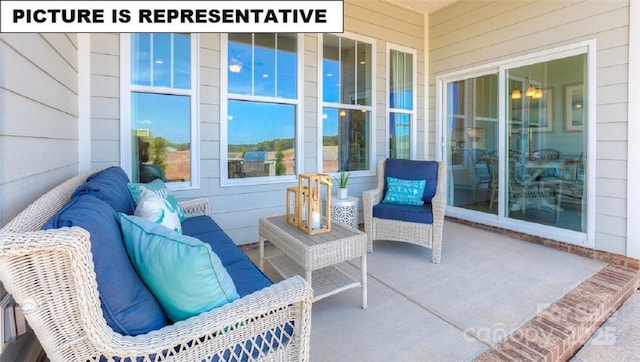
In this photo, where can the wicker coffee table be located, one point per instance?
(317, 254)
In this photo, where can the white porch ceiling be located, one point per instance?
(424, 6)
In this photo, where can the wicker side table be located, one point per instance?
(345, 211)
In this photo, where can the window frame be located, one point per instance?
(588, 48)
(371, 109)
(225, 96)
(127, 88)
(413, 112)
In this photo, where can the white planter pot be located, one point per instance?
(343, 193)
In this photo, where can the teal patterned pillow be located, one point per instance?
(404, 192)
(156, 208)
(158, 187)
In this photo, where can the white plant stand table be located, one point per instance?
(314, 256)
(345, 211)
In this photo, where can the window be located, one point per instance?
(347, 95)
(401, 102)
(159, 77)
(262, 105)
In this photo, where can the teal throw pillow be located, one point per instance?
(156, 208)
(404, 192)
(182, 272)
(158, 187)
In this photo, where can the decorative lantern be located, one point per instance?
(305, 209)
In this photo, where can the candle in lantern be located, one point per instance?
(315, 220)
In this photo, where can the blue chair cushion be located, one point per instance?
(409, 213)
(246, 276)
(110, 186)
(128, 306)
(183, 273)
(413, 170)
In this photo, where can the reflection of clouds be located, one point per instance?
(144, 122)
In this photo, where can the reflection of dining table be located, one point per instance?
(536, 167)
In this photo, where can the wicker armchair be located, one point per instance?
(425, 234)
(51, 275)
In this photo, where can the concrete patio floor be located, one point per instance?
(487, 287)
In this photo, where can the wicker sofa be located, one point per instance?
(50, 273)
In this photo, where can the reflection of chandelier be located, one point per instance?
(532, 91)
(235, 66)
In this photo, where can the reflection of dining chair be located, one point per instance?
(572, 185)
(492, 166)
(483, 177)
(522, 188)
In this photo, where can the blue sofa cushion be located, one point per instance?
(413, 170)
(246, 276)
(128, 306)
(110, 186)
(409, 213)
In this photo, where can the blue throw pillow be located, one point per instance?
(110, 186)
(183, 273)
(404, 192)
(160, 188)
(414, 170)
(128, 306)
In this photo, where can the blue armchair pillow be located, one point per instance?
(183, 273)
(110, 186)
(413, 170)
(128, 306)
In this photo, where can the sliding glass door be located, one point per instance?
(472, 139)
(527, 161)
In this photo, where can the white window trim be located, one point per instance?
(225, 181)
(125, 109)
(371, 109)
(413, 112)
(588, 47)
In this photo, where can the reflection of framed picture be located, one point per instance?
(541, 116)
(574, 112)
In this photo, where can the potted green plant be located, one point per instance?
(343, 193)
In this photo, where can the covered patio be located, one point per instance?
(493, 297)
(507, 276)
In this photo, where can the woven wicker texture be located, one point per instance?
(51, 275)
(314, 256)
(427, 235)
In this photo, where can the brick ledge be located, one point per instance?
(560, 330)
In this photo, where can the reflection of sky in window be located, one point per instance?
(330, 121)
(153, 63)
(253, 122)
(266, 72)
(399, 124)
(166, 116)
